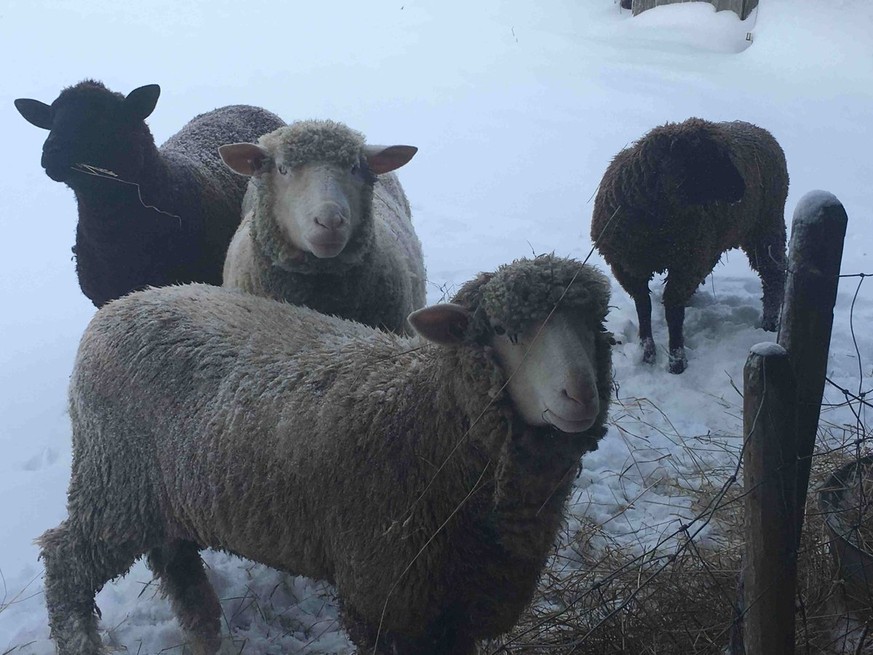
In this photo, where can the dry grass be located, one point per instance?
(856, 519)
(681, 597)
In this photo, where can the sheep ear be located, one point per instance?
(140, 103)
(443, 324)
(35, 112)
(383, 159)
(244, 158)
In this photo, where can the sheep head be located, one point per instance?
(93, 128)
(543, 318)
(315, 178)
(695, 163)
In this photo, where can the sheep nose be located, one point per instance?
(580, 398)
(576, 395)
(331, 218)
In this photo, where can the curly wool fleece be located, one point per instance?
(303, 142)
(527, 291)
(333, 429)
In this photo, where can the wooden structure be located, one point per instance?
(784, 383)
(741, 8)
(770, 480)
(815, 253)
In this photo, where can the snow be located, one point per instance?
(517, 109)
(810, 207)
(768, 349)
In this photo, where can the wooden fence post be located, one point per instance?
(769, 475)
(815, 253)
(784, 383)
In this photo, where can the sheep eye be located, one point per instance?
(499, 330)
(283, 169)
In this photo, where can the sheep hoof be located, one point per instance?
(648, 346)
(678, 361)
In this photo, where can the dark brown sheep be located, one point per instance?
(148, 216)
(676, 200)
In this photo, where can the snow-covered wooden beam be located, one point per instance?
(742, 8)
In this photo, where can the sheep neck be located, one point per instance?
(516, 479)
(474, 385)
(108, 205)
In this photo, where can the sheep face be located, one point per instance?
(318, 206)
(318, 177)
(551, 372)
(550, 367)
(92, 126)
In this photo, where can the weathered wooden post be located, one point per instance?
(770, 479)
(814, 256)
(784, 383)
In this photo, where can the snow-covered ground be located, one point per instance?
(517, 108)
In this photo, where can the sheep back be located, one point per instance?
(230, 403)
(195, 149)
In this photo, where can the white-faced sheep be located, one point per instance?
(425, 478)
(676, 200)
(327, 225)
(147, 216)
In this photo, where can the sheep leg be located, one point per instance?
(767, 257)
(638, 288)
(644, 316)
(681, 284)
(76, 568)
(675, 315)
(682, 281)
(183, 580)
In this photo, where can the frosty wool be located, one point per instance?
(409, 472)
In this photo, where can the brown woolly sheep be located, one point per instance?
(676, 200)
(425, 477)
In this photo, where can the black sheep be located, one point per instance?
(147, 216)
(676, 200)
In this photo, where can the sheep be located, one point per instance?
(147, 216)
(677, 199)
(425, 477)
(322, 230)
